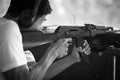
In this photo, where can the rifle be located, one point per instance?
(98, 37)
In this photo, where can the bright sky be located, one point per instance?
(78, 12)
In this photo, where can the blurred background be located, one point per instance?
(78, 12)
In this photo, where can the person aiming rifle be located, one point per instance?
(13, 60)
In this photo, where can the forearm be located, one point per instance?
(59, 66)
(39, 70)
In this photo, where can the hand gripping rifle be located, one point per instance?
(98, 37)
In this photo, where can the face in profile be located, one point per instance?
(37, 25)
(4, 5)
